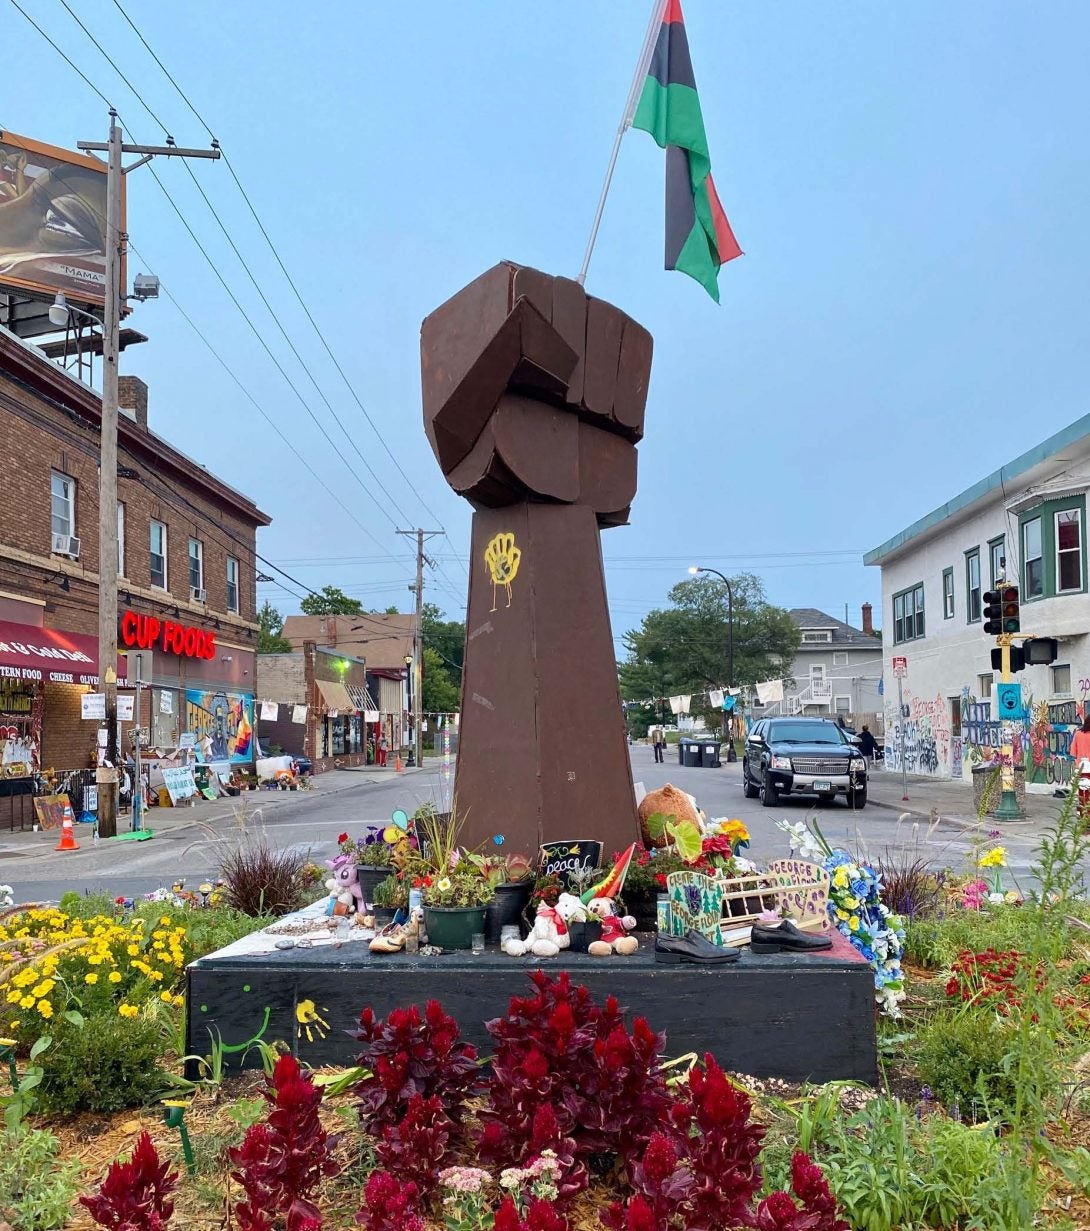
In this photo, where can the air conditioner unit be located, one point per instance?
(197, 596)
(66, 545)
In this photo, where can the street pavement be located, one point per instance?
(936, 822)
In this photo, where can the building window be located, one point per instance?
(1033, 561)
(972, 585)
(159, 555)
(984, 687)
(908, 622)
(842, 705)
(196, 565)
(840, 658)
(997, 560)
(120, 539)
(1061, 680)
(63, 520)
(1068, 550)
(823, 635)
(947, 593)
(955, 716)
(232, 584)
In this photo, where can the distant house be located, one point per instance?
(837, 669)
(1024, 524)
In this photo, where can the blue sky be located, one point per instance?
(909, 184)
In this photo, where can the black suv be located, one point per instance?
(802, 756)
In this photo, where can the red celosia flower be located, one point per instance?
(660, 1157)
(389, 1205)
(342, 837)
(134, 1195)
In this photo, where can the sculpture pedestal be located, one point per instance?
(543, 751)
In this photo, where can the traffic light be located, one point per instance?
(993, 613)
(1012, 617)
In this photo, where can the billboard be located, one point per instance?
(52, 220)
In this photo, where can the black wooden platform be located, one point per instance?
(794, 1017)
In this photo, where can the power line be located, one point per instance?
(78, 71)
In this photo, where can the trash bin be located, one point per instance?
(709, 754)
(690, 752)
(681, 751)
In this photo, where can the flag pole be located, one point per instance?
(658, 7)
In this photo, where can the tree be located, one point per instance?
(447, 637)
(684, 648)
(270, 631)
(440, 694)
(331, 601)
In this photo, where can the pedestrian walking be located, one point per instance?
(658, 740)
(868, 745)
(383, 748)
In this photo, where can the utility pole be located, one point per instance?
(418, 637)
(116, 240)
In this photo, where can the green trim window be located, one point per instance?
(908, 622)
(947, 593)
(1053, 536)
(997, 560)
(972, 586)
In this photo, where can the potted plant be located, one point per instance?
(391, 895)
(583, 929)
(376, 855)
(455, 905)
(509, 877)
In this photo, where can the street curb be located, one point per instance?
(958, 822)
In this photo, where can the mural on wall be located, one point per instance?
(223, 723)
(1040, 739)
(502, 558)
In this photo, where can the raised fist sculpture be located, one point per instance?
(534, 395)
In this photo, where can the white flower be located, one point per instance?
(745, 866)
(801, 839)
(7, 895)
(998, 898)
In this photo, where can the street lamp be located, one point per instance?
(695, 569)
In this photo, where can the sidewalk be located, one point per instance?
(952, 802)
(203, 811)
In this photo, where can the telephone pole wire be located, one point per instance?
(116, 240)
(422, 537)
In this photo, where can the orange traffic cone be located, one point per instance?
(397, 763)
(68, 838)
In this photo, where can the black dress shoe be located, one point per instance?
(692, 947)
(785, 937)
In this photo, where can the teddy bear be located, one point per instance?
(345, 891)
(550, 932)
(615, 929)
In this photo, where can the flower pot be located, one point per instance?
(583, 934)
(369, 877)
(452, 927)
(506, 908)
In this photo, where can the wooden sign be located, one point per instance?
(696, 901)
(51, 810)
(575, 857)
(804, 891)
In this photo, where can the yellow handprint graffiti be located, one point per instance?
(310, 1020)
(502, 557)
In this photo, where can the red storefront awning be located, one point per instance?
(28, 653)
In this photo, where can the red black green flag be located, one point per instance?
(698, 236)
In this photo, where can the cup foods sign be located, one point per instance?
(145, 632)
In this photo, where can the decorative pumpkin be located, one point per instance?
(668, 801)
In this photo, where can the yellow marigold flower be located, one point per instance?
(165, 920)
(133, 950)
(91, 977)
(179, 1000)
(95, 959)
(155, 976)
(995, 858)
(166, 997)
(127, 1010)
(27, 1002)
(14, 996)
(115, 976)
(14, 1025)
(45, 1009)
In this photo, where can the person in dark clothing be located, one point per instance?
(868, 745)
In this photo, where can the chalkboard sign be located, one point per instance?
(179, 783)
(574, 856)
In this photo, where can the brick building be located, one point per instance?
(186, 591)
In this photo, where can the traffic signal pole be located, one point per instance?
(1008, 809)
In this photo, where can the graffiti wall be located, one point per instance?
(921, 736)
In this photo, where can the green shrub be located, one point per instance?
(207, 929)
(87, 905)
(108, 1063)
(962, 1057)
(36, 1189)
(935, 943)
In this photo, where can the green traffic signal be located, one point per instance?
(1011, 614)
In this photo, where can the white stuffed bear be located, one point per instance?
(614, 930)
(549, 936)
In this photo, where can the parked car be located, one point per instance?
(803, 756)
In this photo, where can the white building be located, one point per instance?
(1025, 524)
(836, 671)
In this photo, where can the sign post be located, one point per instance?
(900, 670)
(1009, 702)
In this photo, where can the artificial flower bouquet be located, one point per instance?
(857, 911)
(387, 849)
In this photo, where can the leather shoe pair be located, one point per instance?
(693, 947)
(785, 937)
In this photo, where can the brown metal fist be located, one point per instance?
(534, 390)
